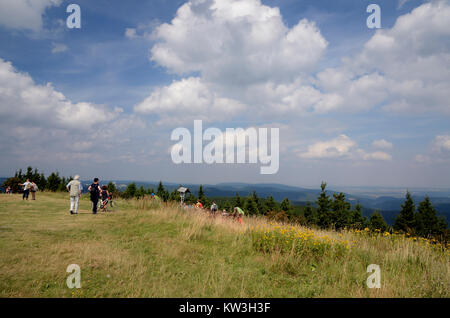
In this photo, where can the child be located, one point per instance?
(105, 197)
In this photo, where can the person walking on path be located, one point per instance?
(95, 190)
(33, 190)
(75, 188)
(26, 189)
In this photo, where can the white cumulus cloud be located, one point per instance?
(24, 14)
(382, 144)
(341, 147)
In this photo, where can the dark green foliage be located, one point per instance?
(250, 206)
(323, 211)
(259, 203)
(286, 206)
(427, 221)
(202, 197)
(13, 183)
(237, 200)
(270, 204)
(140, 192)
(310, 214)
(53, 182)
(358, 221)
(174, 195)
(130, 191)
(340, 216)
(377, 222)
(160, 191)
(42, 182)
(165, 196)
(112, 189)
(227, 206)
(405, 221)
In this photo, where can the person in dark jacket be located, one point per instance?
(95, 190)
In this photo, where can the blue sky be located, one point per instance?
(355, 106)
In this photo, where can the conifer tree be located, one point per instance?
(405, 221)
(270, 205)
(310, 214)
(112, 189)
(261, 207)
(340, 216)
(377, 222)
(160, 191)
(427, 221)
(250, 206)
(323, 211)
(237, 200)
(130, 191)
(286, 206)
(358, 221)
(53, 181)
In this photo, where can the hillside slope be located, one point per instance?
(145, 249)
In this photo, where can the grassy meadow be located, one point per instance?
(147, 249)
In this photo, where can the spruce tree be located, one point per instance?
(201, 194)
(112, 188)
(130, 191)
(42, 185)
(237, 200)
(340, 216)
(323, 210)
(405, 221)
(53, 181)
(377, 222)
(286, 206)
(310, 214)
(357, 217)
(250, 206)
(270, 205)
(140, 192)
(175, 195)
(161, 190)
(261, 207)
(29, 174)
(427, 221)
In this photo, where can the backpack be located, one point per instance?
(214, 207)
(74, 188)
(94, 190)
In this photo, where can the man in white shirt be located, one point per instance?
(26, 188)
(75, 188)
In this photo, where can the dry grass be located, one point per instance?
(148, 249)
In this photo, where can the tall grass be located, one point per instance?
(153, 249)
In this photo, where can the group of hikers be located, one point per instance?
(237, 214)
(96, 192)
(28, 187)
(101, 194)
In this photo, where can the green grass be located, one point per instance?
(149, 250)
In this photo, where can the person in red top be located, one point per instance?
(199, 204)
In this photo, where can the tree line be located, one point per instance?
(328, 212)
